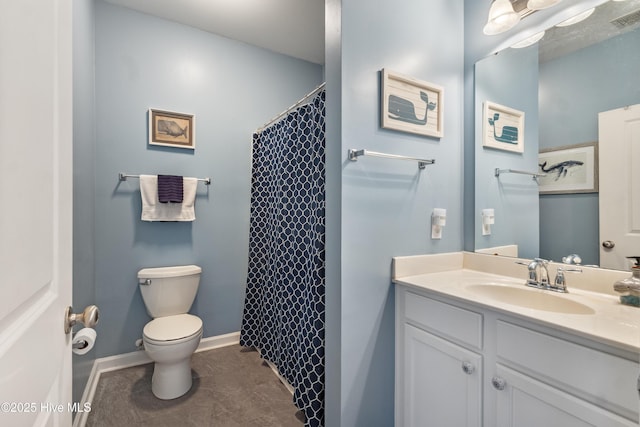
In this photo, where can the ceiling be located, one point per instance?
(291, 27)
(296, 27)
(604, 24)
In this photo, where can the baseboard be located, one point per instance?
(127, 360)
(282, 379)
(218, 341)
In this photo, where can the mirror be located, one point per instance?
(559, 84)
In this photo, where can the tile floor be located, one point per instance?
(232, 387)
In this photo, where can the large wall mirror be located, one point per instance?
(560, 85)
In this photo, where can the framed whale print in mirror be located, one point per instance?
(503, 127)
(411, 105)
(569, 169)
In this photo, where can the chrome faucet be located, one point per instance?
(574, 259)
(560, 284)
(539, 275)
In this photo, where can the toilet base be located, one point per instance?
(172, 369)
(171, 380)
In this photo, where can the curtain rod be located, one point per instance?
(279, 116)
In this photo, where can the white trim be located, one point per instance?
(211, 343)
(282, 379)
(126, 360)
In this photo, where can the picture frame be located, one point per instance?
(411, 105)
(171, 129)
(569, 169)
(509, 134)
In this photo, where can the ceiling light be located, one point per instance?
(578, 18)
(529, 41)
(541, 4)
(502, 18)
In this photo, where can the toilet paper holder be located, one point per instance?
(88, 317)
(79, 345)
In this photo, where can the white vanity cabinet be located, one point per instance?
(462, 364)
(438, 363)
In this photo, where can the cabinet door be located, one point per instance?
(525, 402)
(442, 382)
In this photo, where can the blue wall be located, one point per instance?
(509, 78)
(573, 90)
(232, 88)
(387, 204)
(333, 219)
(84, 293)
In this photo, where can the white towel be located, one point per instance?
(153, 210)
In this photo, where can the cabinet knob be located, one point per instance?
(498, 383)
(468, 368)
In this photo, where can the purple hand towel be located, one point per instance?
(170, 189)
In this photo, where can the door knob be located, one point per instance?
(88, 317)
(608, 244)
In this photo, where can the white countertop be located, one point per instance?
(610, 323)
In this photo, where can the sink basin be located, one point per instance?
(530, 298)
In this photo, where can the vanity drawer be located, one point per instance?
(444, 319)
(604, 379)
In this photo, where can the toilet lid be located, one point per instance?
(171, 328)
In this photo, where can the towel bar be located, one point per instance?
(354, 154)
(123, 177)
(533, 175)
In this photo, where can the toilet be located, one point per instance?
(173, 335)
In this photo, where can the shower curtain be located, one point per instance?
(284, 304)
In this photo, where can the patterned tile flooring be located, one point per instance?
(232, 387)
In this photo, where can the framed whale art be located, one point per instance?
(171, 129)
(569, 169)
(502, 128)
(411, 105)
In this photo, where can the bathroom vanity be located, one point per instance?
(475, 346)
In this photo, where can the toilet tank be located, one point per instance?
(169, 290)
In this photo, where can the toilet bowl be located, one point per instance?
(173, 335)
(170, 341)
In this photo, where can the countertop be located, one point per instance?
(610, 323)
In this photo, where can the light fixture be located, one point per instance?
(502, 18)
(578, 18)
(529, 40)
(541, 4)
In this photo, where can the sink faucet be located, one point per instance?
(560, 284)
(539, 275)
(572, 259)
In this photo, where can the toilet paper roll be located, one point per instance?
(84, 340)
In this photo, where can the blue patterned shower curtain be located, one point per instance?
(284, 303)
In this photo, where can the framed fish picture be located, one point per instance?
(502, 128)
(172, 129)
(411, 105)
(569, 169)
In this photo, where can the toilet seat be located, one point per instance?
(171, 330)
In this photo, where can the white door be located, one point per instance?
(35, 216)
(619, 151)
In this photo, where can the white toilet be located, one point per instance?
(173, 335)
